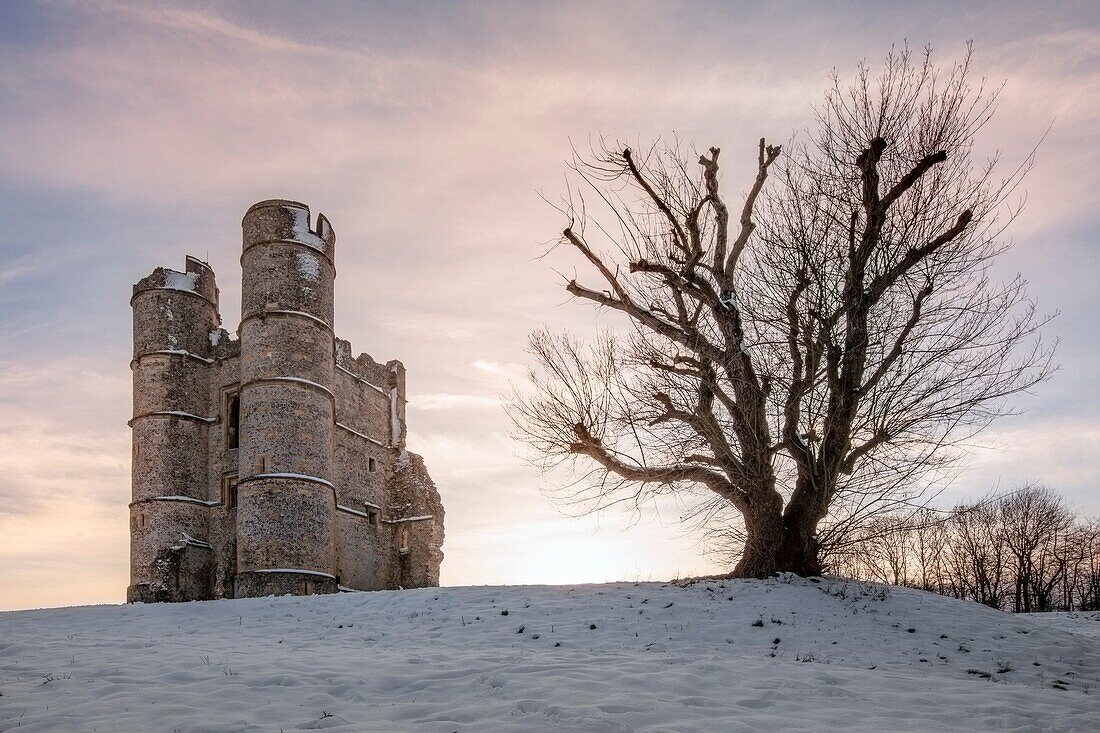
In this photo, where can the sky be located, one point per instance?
(429, 134)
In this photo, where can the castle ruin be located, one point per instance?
(273, 463)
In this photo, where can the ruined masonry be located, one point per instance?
(274, 463)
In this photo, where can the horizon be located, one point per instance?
(134, 135)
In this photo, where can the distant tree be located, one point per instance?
(1023, 550)
(1035, 524)
(977, 555)
(797, 365)
(1082, 588)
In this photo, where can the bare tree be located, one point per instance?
(1035, 524)
(1023, 550)
(813, 355)
(1082, 590)
(900, 547)
(977, 555)
(929, 544)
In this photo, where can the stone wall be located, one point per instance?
(417, 521)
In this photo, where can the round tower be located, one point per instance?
(286, 501)
(174, 313)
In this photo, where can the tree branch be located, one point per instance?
(590, 446)
(912, 177)
(693, 341)
(659, 202)
(883, 282)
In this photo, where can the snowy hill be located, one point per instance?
(785, 654)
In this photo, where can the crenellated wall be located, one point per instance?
(273, 463)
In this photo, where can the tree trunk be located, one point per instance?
(778, 543)
(763, 538)
(800, 552)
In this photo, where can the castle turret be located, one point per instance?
(286, 501)
(174, 314)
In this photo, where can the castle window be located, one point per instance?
(231, 406)
(403, 548)
(372, 465)
(372, 516)
(141, 520)
(229, 491)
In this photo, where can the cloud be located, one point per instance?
(14, 271)
(211, 25)
(198, 105)
(446, 401)
(510, 371)
(63, 436)
(1058, 452)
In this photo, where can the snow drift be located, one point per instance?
(782, 654)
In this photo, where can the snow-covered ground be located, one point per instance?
(778, 655)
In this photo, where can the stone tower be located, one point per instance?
(286, 514)
(174, 314)
(275, 463)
